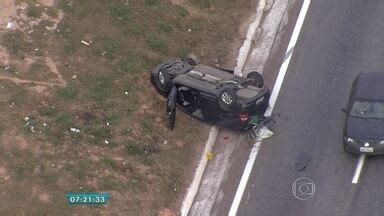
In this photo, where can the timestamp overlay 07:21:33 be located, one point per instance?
(87, 198)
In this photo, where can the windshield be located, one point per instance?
(368, 109)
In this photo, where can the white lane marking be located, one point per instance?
(192, 190)
(244, 179)
(359, 167)
(275, 92)
(290, 48)
(244, 49)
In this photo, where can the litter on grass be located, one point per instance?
(85, 42)
(75, 130)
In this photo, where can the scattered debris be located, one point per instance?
(9, 25)
(209, 155)
(74, 76)
(85, 42)
(263, 133)
(12, 104)
(29, 123)
(75, 130)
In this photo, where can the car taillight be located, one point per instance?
(243, 117)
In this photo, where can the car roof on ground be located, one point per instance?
(370, 86)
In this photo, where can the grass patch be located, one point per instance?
(69, 92)
(109, 164)
(49, 177)
(101, 90)
(203, 3)
(141, 148)
(128, 39)
(156, 43)
(81, 169)
(165, 26)
(136, 185)
(111, 48)
(151, 2)
(47, 111)
(34, 12)
(108, 183)
(133, 148)
(15, 43)
(120, 12)
(181, 12)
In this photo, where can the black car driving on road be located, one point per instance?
(210, 94)
(364, 125)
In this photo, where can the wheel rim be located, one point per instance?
(161, 78)
(227, 98)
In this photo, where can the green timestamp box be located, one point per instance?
(87, 198)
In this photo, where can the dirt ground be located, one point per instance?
(79, 113)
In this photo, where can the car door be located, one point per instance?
(171, 108)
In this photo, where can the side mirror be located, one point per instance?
(344, 110)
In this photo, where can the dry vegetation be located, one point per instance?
(51, 81)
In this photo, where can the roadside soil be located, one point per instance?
(79, 113)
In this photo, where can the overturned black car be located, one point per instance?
(210, 94)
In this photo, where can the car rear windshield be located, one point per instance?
(368, 109)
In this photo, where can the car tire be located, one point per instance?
(161, 80)
(256, 79)
(193, 59)
(227, 99)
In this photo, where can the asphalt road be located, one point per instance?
(339, 39)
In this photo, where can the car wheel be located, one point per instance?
(161, 80)
(193, 60)
(256, 79)
(227, 99)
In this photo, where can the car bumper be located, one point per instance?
(357, 149)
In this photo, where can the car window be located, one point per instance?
(368, 109)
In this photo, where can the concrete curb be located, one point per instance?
(194, 187)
